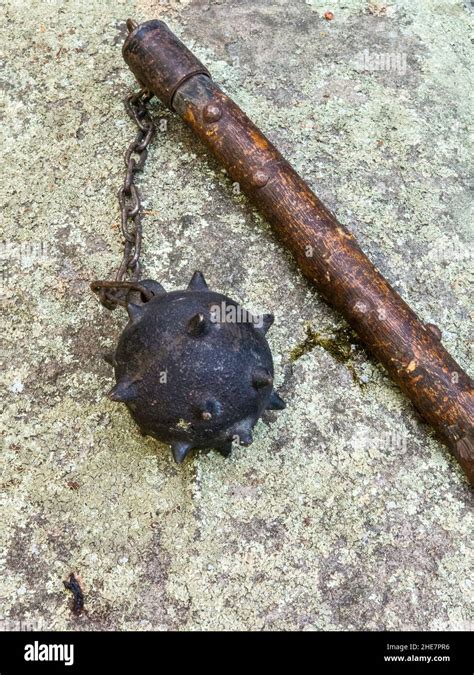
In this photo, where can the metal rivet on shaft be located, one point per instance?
(212, 112)
(260, 178)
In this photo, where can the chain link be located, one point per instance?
(114, 292)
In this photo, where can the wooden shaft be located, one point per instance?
(326, 251)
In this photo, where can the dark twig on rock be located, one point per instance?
(73, 585)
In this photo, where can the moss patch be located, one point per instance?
(343, 345)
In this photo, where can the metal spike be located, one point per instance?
(180, 449)
(197, 326)
(197, 283)
(109, 357)
(135, 312)
(266, 321)
(123, 392)
(245, 438)
(225, 449)
(244, 433)
(276, 402)
(261, 378)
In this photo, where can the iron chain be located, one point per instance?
(114, 292)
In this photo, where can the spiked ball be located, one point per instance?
(194, 368)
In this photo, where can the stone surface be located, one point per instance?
(345, 513)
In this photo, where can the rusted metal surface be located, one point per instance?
(181, 64)
(113, 293)
(325, 250)
(189, 374)
(194, 369)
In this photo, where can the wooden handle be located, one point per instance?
(326, 251)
